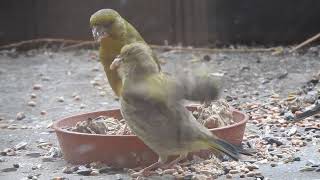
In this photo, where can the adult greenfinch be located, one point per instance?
(152, 107)
(113, 32)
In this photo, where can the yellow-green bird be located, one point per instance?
(113, 32)
(151, 105)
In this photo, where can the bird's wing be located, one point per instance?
(197, 87)
(168, 90)
(155, 89)
(161, 106)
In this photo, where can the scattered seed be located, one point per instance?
(11, 169)
(307, 168)
(32, 103)
(252, 167)
(48, 159)
(59, 178)
(82, 106)
(94, 173)
(33, 96)
(43, 113)
(20, 116)
(68, 170)
(169, 171)
(8, 152)
(250, 174)
(60, 99)
(21, 145)
(77, 98)
(4, 125)
(273, 164)
(37, 87)
(84, 171)
(34, 154)
(233, 171)
(102, 93)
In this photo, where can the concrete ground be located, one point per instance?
(249, 76)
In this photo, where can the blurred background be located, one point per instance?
(187, 22)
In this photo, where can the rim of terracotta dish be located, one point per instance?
(59, 129)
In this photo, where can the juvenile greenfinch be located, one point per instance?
(151, 105)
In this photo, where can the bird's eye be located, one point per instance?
(107, 25)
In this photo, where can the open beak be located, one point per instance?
(116, 63)
(99, 32)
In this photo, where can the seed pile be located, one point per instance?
(216, 114)
(102, 125)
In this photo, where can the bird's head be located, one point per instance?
(107, 23)
(135, 60)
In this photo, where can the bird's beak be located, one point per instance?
(99, 32)
(116, 63)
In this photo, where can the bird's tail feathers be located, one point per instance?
(224, 147)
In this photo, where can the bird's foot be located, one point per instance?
(142, 173)
(174, 162)
(166, 166)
